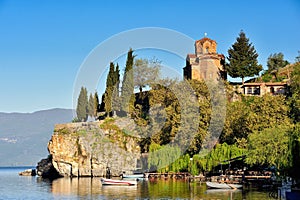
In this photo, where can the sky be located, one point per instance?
(44, 43)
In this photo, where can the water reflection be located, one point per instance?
(91, 188)
(83, 187)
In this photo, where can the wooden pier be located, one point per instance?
(168, 175)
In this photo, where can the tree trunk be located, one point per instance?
(141, 92)
(242, 80)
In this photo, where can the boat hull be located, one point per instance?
(223, 185)
(105, 181)
(132, 176)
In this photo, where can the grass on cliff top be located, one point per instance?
(109, 124)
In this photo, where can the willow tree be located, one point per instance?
(269, 147)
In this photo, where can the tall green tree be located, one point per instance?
(112, 88)
(82, 105)
(276, 61)
(96, 104)
(127, 97)
(91, 106)
(116, 90)
(242, 58)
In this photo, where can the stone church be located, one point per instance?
(206, 63)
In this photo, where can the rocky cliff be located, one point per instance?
(86, 149)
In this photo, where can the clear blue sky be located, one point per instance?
(43, 43)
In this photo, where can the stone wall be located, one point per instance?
(85, 149)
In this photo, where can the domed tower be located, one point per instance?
(206, 63)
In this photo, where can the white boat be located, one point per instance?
(223, 185)
(133, 176)
(105, 181)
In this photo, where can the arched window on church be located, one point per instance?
(206, 50)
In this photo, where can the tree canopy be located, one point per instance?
(276, 61)
(145, 72)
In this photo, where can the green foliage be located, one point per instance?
(91, 106)
(199, 163)
(294, 152)
(266, 77)
(295, 90)
(269, 147)
(219, 155)
(295, 79)
(111, 96)
(96, 104)
(161, 156)
(116, 135)
(242, 58)
(82, 105)
(63, 131)
(145, 72)
(254, 114)
(276, 61)
(127, 98)
(295, 107)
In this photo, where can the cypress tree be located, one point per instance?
(82, 105)
(109, 88)
(91, 106)
(242, 59)
(116, 90)
(127, 83)
(96, 104)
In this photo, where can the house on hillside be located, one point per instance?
(259, 89)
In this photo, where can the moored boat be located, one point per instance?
(133, 176)
(105, 181)
(216, 185)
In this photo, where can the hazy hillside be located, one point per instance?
(24, 136)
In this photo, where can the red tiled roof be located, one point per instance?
(253, 84)
(267, 84)
(191, 55)
(276, 84)
(205, 39)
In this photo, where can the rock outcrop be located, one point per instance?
(28, 172)
(46, 169)
(86, 149)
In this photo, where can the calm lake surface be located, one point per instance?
(13, 186)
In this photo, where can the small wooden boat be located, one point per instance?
(105, 181)
(223, 185)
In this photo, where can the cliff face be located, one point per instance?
(86, 149)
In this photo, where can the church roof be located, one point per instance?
(205, 39)
(191, 56)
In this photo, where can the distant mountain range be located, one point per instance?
(24, 136)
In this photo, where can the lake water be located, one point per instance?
(13, 186)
